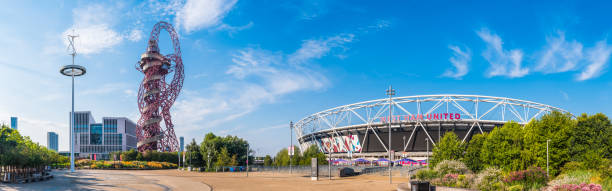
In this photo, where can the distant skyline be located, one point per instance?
(251, 67)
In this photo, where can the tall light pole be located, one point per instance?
(390, 93)
(291, 147)
(404, 138)
(427, 141)
(72, 71)
(547, 157)
(247, 160)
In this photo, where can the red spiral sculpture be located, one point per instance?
(156, 96)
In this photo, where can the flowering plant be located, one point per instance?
(532, 177)
(578, 187)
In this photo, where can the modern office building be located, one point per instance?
(52, 141)
(182, 142)
(96, 140)
(14, 123)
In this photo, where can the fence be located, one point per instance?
(324, 170)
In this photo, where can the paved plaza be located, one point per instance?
(181, 180)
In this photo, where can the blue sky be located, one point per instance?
(253, 66)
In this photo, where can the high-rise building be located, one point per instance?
(96, 140)
(182, 142)
(52, 140)
(14, 123)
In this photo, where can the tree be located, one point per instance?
(449, 148)
(267, 160)
(223, 158)
(233, 161)
(555, 127)
(591, 134)
(313, 152)
(212, 145)
(503, 147)
(471, 158)
(194, 157)
(282, 158)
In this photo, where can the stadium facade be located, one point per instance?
(417, 122)
(96, 140)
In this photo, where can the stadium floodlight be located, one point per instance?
(72, 70)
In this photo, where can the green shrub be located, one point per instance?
(426, 174)
(489, 179)
(451, 167)
(517, 187)
(571, 166)
(532, 178)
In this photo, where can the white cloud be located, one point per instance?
(257, 77)
(314, 49)
(460, 61)
(233, 29)
(93, 39)
(503, 62)
(135, 35)
(565, 95)
(559, 55)
(198, 14)
(598, 58)
(93, 26)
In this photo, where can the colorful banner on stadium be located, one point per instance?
(340, 144)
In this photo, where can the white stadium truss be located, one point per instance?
(474, 112)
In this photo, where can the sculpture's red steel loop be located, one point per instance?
(155, 95)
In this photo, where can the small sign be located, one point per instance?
(392, 155)
(291, 151)
(314, 169)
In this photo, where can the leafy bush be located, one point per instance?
(450, 180)
(451, 167)
(578, 187)
(533, 177)
(517, 187)
(83, 162)
(448, 148)
(489, 179)
(426, 174)
(572, 166)
(131, 165)
(465, 180)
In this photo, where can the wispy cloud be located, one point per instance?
(460, 60)
(258, 77)
(198, 14)
(559, 55)
(93, 24)
(565, 95)
(314, 49)
(231, 30)
(598, 58)
(502, 62)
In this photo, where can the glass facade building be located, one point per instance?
(14, 123)
(52, 141)
(97, 140)
(182, 142)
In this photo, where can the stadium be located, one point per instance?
(361, 130)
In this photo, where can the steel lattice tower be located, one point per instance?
(155, 95)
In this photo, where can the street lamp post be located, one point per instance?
(547, 157)
(72, 71)
(404, 138)
(291, 147)
(427, 140)
(247, 161)
(390, 93)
